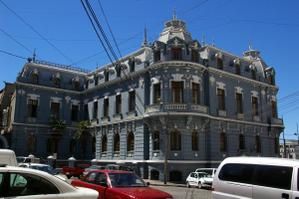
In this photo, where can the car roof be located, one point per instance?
(262, 160)
(111, 171)
(34, 164)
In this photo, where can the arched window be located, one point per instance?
(253, 73)
(175, 140)
(241, 142)
(104, 143)
(116, 143)
(157, 55)
(130, 142)
(223, 142)
(156, 140)
(93, 145)
(258, 144)
(194, 55)
(194, 141)
(219, 62)
(72, 146)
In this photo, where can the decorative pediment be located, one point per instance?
(176, 41)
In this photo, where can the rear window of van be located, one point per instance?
(262, 175)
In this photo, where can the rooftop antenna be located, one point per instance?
(203, 40)
(174, 17)
(145, 37)
(34, 55)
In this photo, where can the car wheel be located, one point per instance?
(188, 185)
(199, 185)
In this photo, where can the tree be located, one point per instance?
(81, 129)
(57, 125)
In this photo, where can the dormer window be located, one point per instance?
(96, 80)
(237, 66)
(219, 60)
(106, 74)
(194, 55)
(253, 72)
(118, 70)
(157, 55)
(176, 53)
(132, 64)
(56, 80)
(76, 83)
(34, 77)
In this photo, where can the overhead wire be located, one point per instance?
(12, 38)
(12, 54)
(35, 31)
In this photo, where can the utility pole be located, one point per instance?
(284, 145)
(166, 155)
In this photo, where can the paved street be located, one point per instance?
(179, 191)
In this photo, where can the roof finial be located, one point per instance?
(250, 46)
(174, 17)
(145, 37)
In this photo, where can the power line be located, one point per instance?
(11, 54)
(110, 30)
(34, 30)
(11, 37)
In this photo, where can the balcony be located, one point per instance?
(277, 121)
(155, 108)
(222, 113)
(256, 118)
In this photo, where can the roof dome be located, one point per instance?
(175, 28)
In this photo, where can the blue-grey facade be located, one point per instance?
(195, 104)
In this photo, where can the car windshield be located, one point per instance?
(45, 168)
(126, 180)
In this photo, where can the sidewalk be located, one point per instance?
(161, 183)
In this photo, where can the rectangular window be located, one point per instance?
(157, 56)
(132, 65)
(118, 104)
(132, 102)
(74, 113)
(274, 109)
(223, 142)
(241, 142)
(95, 110)
(194, 141)
(96, 80)
(106, 107)
(85, 110)
(274, 176)
(239, 99)
(176, 53)
(32, 108)
(177, 92)
(255, 106)
(55, 110)
(195, 93)
(157, 93)
(194, 56)
(221, 99)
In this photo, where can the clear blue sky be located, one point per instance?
(269, 26)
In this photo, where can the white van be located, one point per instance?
(8, 157)
(256, 177)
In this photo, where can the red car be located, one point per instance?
(76, 171)
(115, 184)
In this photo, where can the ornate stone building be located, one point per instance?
(173, 101)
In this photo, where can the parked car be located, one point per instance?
(115, 184)
(41, 167)
(256, 177)
(210, 171)
(28, 159)
(92, 167)
(76, 171)
(8, 157)
(34, 184)
(199, 179)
